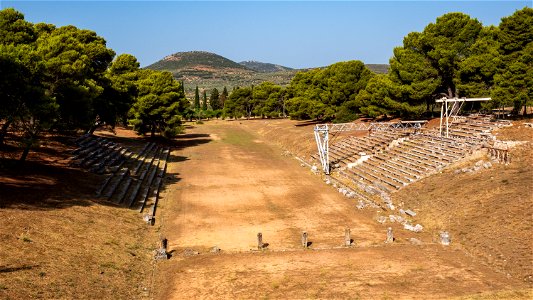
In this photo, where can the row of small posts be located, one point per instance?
(162, 253)
(348, 241)
(500, 155)
(305, 241)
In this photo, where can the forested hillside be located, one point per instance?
(197, 60)
(264, 67)
(209, 70)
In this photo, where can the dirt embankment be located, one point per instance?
(488, 213)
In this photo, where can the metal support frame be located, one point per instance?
(322, 134)
(322, 142)
(447, 112)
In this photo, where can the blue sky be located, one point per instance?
(296, 34)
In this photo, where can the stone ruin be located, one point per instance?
(304, 239)
(161, 253)
(445, 238)
(390, 236)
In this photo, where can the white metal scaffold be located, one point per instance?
(447, 112)
(322, 134)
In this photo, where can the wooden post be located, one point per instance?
(260, 241)
(304, 239)
(347, 238)
(390, 235)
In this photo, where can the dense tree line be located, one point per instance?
(454, 57)
(204, 106)
(66, 78)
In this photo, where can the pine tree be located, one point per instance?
(197, 99)
(214, 100)
(223, 97)
(204, 103)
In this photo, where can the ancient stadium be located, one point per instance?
(280, 208)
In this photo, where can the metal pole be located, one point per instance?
(446, 101)
(441, 114)
(326, 142)
(322, 146)
(319, 146)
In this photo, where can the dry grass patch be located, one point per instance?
(58, 242)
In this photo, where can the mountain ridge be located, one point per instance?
(192, 59)
(209, 70)
(264, 67)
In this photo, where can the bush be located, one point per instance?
(172, 132)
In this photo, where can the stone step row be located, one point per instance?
(122, 188)
(98, 154)
(138, 182)
(406, 163)
(154, 199)
(349, 150)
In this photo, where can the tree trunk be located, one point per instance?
(3, 131)
(25, 153)
(152, 131)
(450, 92)
(92, 129)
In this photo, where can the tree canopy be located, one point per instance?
(320, 93)
(427, 66)
(513, 80)
(159, 104)
(66, 78)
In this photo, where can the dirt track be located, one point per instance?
(231, 185)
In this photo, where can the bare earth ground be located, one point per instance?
(234, 182)
(57, 241)
(228, 180)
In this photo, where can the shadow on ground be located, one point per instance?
(48, 182)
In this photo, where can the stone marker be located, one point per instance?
(161, 253)
(445, 238)
(410, 212)
(304, 239)
(347, 238)
(390, 236)
(260, 241)
(149, 219)
(360, 204)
